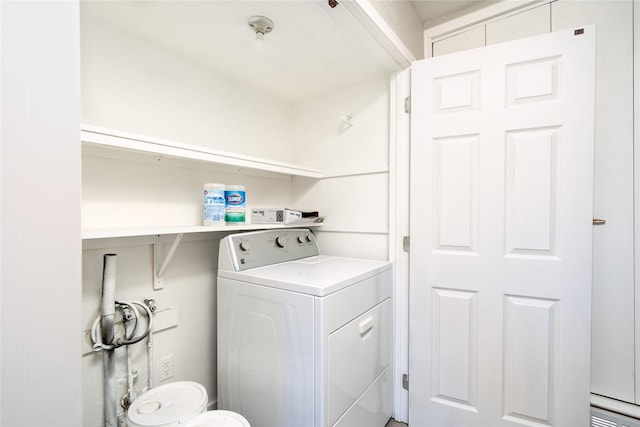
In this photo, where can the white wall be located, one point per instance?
(324, 141)
(189, 293)
(124, 193)
(354, 196)
(40, 215)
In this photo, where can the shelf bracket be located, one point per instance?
(159, 266)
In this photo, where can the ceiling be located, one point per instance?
(312, 49)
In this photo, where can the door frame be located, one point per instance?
(399, 179)
(636, 178)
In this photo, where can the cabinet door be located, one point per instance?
(468, 40)
(612, 365)
(531, 22)
(525, 24)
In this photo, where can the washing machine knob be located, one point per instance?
(305, 238)
(245, 245)
(281, 242)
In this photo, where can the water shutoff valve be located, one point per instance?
(127, 315)
(151, 303)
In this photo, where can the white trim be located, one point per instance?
(109, 233)
(114, 139)
(613, 405)
(480, 17)
(370, 19)
(636, 184)
(394, 122)
(147, 239)
(399, 227)
(373, 170)
(378, 230)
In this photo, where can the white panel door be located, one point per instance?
(501, 211)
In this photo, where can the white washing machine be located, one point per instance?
(304, 339)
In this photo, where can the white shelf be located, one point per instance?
(111, 143)
(96, 138)
(108, 233)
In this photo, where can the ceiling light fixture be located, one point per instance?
(261, 25)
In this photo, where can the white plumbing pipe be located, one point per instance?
(130, 393)
(132, 340)
(150, 360)
(149, 308)
(107, 321)
(151, 305)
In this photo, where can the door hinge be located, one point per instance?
(407, 105)
(406, 243)
(405, 381)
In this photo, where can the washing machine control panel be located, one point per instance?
(260, 248)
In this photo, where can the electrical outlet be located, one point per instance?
(165, 367)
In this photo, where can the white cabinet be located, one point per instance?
(529, 23)
(613, 372)
(469, 39)
(484, 32)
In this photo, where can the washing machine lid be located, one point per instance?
(318, 275)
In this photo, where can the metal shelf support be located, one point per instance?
(159, 265)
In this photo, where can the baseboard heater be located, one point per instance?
(603, 418)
